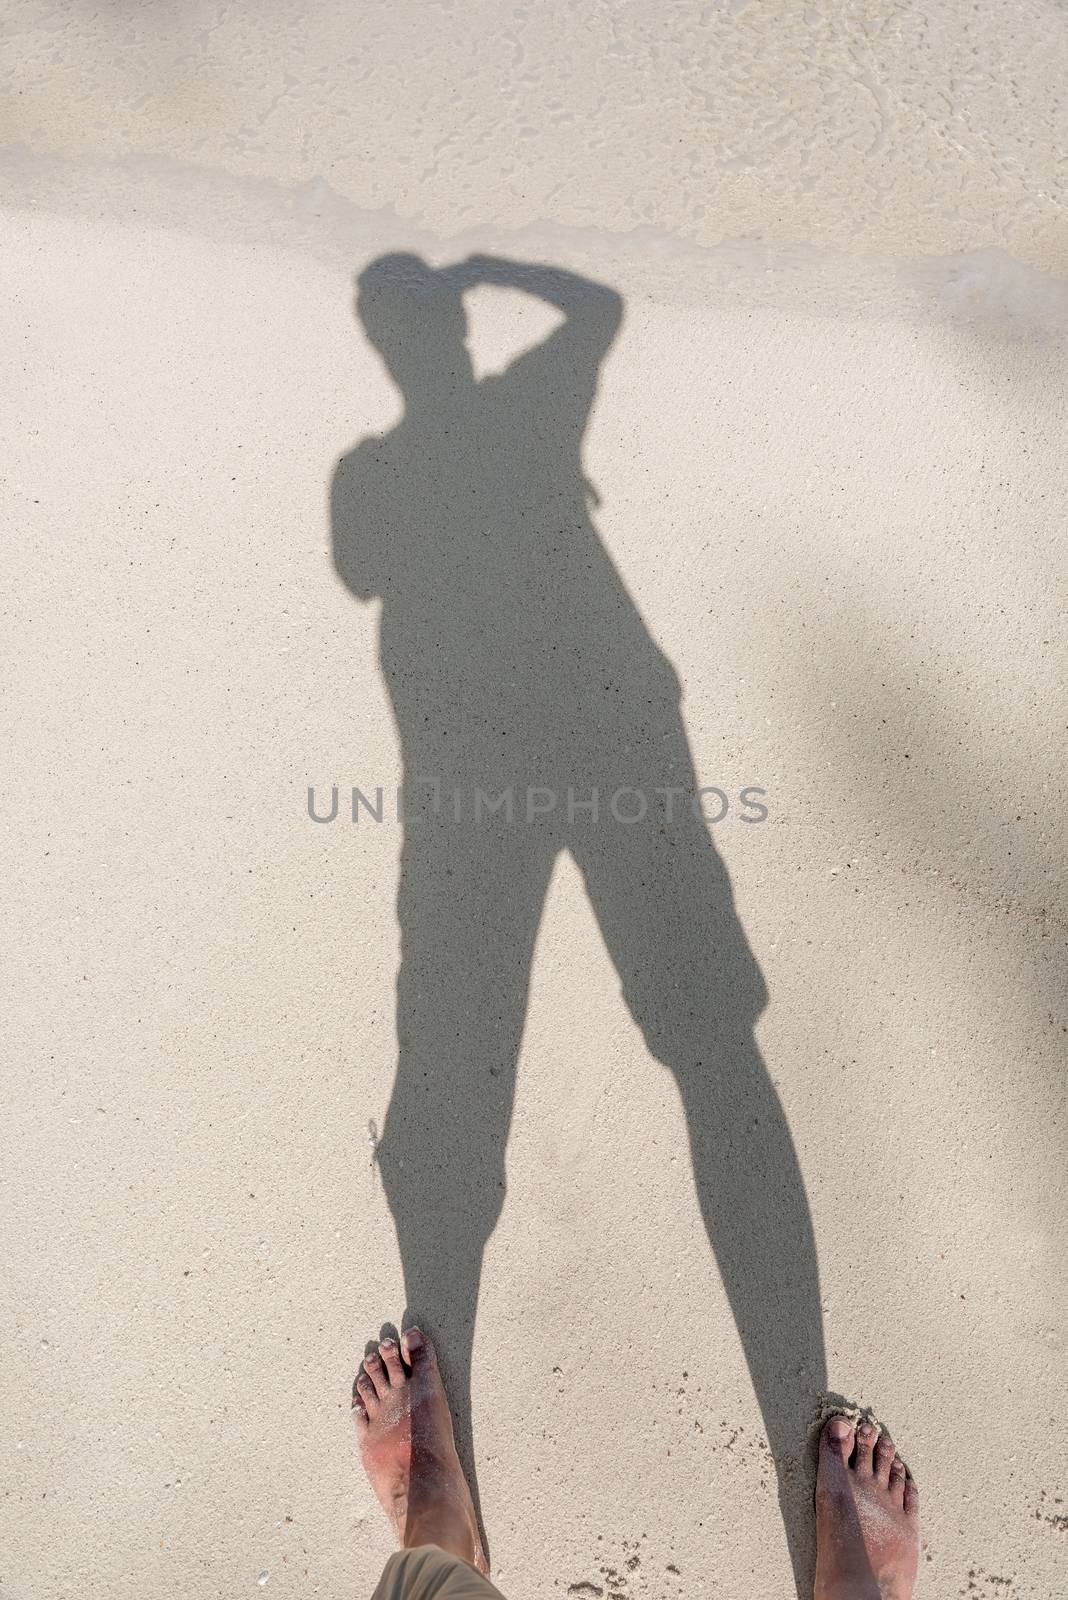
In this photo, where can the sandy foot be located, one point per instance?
(867, 1516)
(408, 1451)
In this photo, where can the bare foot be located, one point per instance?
(408, 1451)
(867, 1516)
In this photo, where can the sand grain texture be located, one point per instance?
(828, 444)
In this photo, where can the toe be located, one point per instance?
(366, 1391)
(897, 1480)
(417, 1349)
(837, 1437)
(391, 1356)
(884, 1457)
(912, 1498)
(374, 1369)
(867, 1433)
(358, 1412)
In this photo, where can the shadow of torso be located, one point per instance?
(511, 648)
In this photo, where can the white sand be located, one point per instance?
(831, 468)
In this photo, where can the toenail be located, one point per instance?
(415, 1339)
(865, 1431)
(387, 1344)
(838, 1428)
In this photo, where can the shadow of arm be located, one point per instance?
(592, 311)
(554, 382)
(351, 544)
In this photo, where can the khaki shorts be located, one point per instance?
(428, 1573)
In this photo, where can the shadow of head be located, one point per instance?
(414, 316)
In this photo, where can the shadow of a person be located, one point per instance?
(518, 664)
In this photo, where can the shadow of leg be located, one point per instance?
(468, 903)
(755, 1211)
(443, 1219)
(666, 909)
